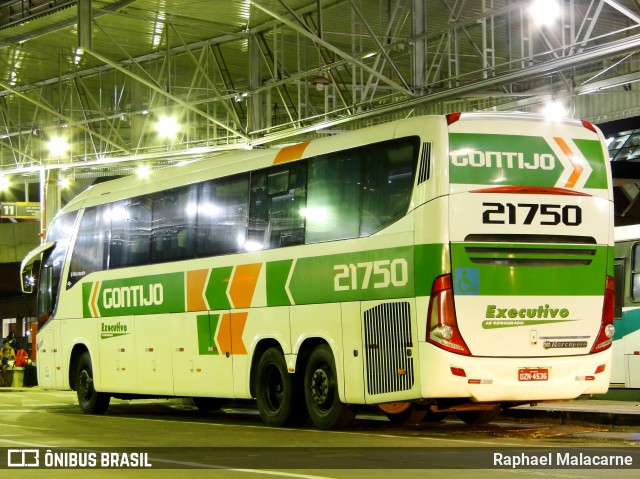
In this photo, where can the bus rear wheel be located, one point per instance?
(277, 392)
(321, 391)
(90, 400)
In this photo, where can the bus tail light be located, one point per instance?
(605, 335)
(589, 126)
(442, 325)
(453, 117)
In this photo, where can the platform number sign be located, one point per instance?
(20, 209)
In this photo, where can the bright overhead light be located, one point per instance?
(4, 183)
(57, 146)
(544, 12)
(143, 171)
(65, 183)
(167, 126)
(554, 110)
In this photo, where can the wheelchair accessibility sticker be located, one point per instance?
(466, 281)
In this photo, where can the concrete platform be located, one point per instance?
(616, 410)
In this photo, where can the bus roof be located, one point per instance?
(626, 233)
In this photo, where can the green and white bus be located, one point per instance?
(436, 264)
(625, 371)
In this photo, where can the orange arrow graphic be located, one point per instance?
(196, 282)
(243, 284)
(577, 166)
(93, 300)
(290, 153)
(229, 336)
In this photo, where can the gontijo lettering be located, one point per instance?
(132, 296)
(503, 159)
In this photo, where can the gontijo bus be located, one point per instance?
(429, 265)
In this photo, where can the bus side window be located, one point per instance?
(173, 224)
(223, 206)
(91, 246)
(286, 212)
(258, 212)
(389, 171)
(333, 199)
(635, 273)
(277, 207)
(130, 232)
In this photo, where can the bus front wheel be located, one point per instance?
(321, 391)
(278, 392)
(90, 401)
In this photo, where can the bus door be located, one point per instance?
(626, 345)
(118, 367)
(153, 352)
(48, 340)
(49, 357)
(619, 366)
(201, 352)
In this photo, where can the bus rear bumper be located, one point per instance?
(505, 379)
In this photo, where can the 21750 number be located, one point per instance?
(527, 213)
(379, 274)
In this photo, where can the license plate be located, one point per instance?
(533, 374)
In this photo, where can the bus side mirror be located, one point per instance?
(27, 279)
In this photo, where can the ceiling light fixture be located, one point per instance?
(554, 110)
(544, 12)
(57, 146)
(167, 126)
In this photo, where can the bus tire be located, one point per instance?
(278, 392)
(321, 391)
(479, 417)
(90, 400)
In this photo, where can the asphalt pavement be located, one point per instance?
(619, 410)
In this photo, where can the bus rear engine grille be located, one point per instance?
(518, 250)
(387, 329)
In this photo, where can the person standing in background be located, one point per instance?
(8, 354)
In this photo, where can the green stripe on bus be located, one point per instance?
(517, 160)
(207, 327)
(557, 274)
(357, 276)
(430, 261)
(592, 151)
(161, 293)
(216, 289)
(86, 296)
(277, 274)
(354, 276)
